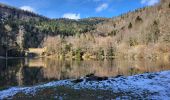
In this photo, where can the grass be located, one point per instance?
(66, 93)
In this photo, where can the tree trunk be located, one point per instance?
(6, 57)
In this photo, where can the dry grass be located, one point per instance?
(64, 93)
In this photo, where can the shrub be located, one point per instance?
(78, 54)
(133, 41)
(130, 25)
(138, 19)
(113, 33)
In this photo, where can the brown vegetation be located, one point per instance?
(144, 33)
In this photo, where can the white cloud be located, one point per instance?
(71, 16)
(27, 8)
(149, 2)
(102, 7)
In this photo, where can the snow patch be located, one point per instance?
(157, 84)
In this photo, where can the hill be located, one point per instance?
(23, 29)
(130, 35)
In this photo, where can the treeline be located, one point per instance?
(88, 46)
(85, 46)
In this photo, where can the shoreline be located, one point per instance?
(1, 57)
(152, 85)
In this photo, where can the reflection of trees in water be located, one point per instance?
(8, 73)
(130, 67)
(73, 69)
(29, 72)
(16, 74)
(32, 75)
(19, 76)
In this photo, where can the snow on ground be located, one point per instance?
(157, 85)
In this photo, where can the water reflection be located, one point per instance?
(21, 72)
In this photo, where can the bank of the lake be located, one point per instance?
(148, 85)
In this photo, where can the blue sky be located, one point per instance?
(76, 9)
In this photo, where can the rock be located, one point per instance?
(96, 78)
(150, 76)
(102, 78)
(118, 76)
(90, 75)
(92, 78)
(77, 81)
(105, 78)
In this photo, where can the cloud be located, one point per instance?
(71, 16)
(27, 8)
(102, 7)
(149, 2)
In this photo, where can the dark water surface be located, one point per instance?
(26, 72)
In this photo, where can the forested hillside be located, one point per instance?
(21, 30)
(143, 33)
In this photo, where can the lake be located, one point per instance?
(28, 72)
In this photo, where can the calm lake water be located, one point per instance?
(26, 72)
